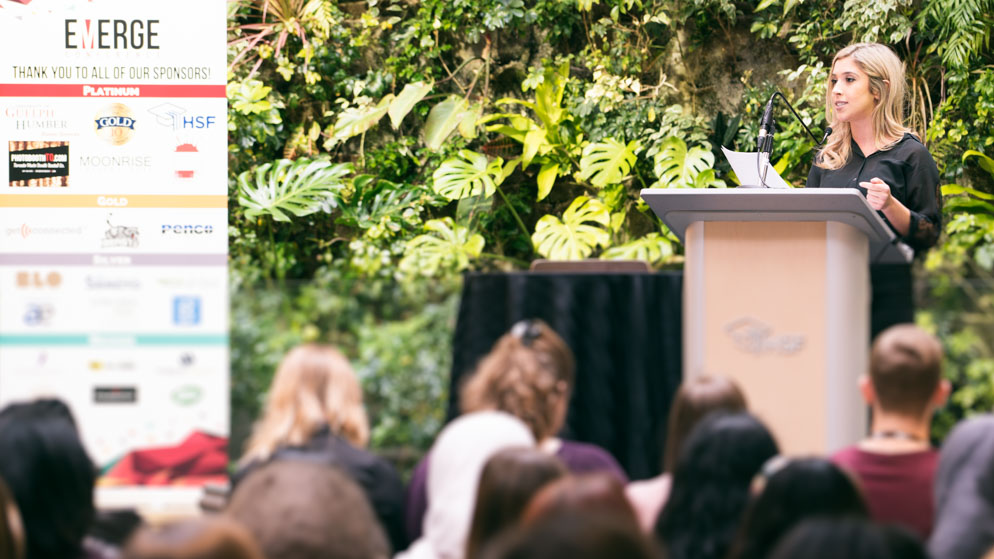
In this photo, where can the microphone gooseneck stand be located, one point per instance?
(767, 129)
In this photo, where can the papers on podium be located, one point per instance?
(744, 165)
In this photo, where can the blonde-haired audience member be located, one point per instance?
(529, 374)
(964, 492)
(314, 412)
(896, 464)
(202, 538)
(696, 397)
(11, 527)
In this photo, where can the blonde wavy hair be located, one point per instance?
(528, 374)
(887, 85)
(314, 387)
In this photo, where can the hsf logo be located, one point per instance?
(186, 310)
(174, 116)
(112, 34)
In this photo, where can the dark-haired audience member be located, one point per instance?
(598, 492)
(508, 482)
(529, 374)
(792, 491)
(575, 535)
(458, 458)
(964, 492)
(306, 510)
(11, 527)
(832, 538)
(696, 397)
(711, 485)
(896, 464)
(51, 476)
(203, 538)
(314, 412)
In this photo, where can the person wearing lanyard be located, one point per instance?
(871, 149)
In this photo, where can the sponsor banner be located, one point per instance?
(114, 230)
(141, 146)
(115, 43)
(176, 391)
(97, 90)
(110, 201)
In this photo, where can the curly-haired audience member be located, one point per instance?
(314, 412)
(304, 510)
(529, 373)
(711, 485)
(508, 482)
(696, 397)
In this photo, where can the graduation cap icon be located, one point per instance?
(167, 113)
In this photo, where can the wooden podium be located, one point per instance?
(777, 296)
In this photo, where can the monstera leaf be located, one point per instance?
(298, 188)
(607, 162)
(468, 174)
(577, 234)
(678, 167)
(653, 248)
(446, 246)
(374, 200)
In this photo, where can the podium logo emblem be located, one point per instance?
(751, 335)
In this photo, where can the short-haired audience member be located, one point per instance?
(458, 458)
(575, 535)
(51, 476)
(849, 537)
(791, 491)
(964, 492)
(305, 510)
(509, 481)
(11, 527)
(696, 397)
(314, 412)
(202, 538)
(896, 464)
(711, 485)
(528, 373)
(598, 492)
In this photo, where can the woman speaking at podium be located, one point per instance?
(871, 149)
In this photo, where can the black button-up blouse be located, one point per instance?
(913, 178)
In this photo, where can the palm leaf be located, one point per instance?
(577, 234)
(298, 188)
(653, 248)
(446, 246)
(443, 119)
(356, 120)
(405, 101)
(678, 167)
(607, 162)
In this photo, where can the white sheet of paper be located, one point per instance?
(744, 165)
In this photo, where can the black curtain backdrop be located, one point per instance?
(625, 331)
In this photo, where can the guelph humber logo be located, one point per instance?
(115, 124)
(119, 235)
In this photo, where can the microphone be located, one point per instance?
(767, 128)
(828, 132)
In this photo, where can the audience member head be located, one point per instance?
(964, 492)
(508, 482)
(11, 527)
(905, 373)
(697, 397)
(50, 474)
(597, 492)
(711, 485)
(903, 543)
(793, 491)
(832, 538)
(457, 460)
(203, 538)
(528, 374)
(314, 388)
(305, 510)
(574, 535)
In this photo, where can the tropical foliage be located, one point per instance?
(381, 148)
